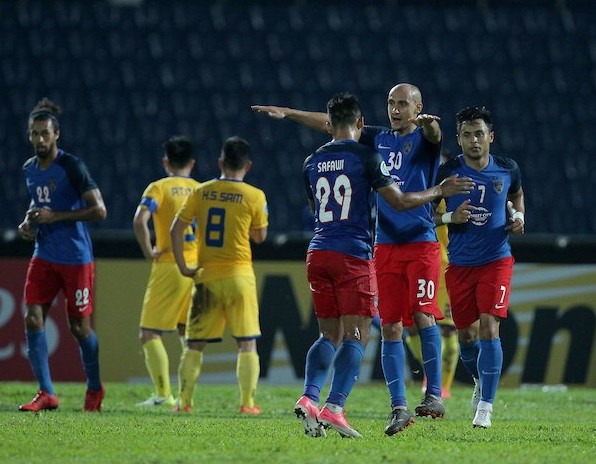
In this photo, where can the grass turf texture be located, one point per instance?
(529, 426)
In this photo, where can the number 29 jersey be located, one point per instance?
(340, 178)
(225, 211)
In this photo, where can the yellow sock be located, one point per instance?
(450, 357)
(415, 346)
(191, 362)
(156, 360)
(247, 371)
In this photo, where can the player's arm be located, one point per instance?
(258, 235)
(517, 210)
(460, 215)
(312, 119)
(26, 229)
(177, 238)
(431, 130)
(95, 210)
(452, 185)
(140, 225)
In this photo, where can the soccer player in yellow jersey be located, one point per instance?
(168, 295)
(228, 213)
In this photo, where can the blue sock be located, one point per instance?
(376, 321)
(393, 358)
(490, 362)
(318, 360)
(37, 345)
(468, 352)
(90, 356)
(346, 369)
(430, 338)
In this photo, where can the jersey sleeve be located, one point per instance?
(188, 211)
(78, 175)
(515, 173)
(376, 171)
(260, 218)
(369, 135)
(152, 197)
(306, 180)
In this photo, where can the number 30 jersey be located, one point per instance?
(340, 179)
(60, 187)
(225, 211)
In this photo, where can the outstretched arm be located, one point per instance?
(401, 201)
(431, 130)
(312, 119)
(94, 211)
(461, 215)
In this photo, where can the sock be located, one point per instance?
(468, 352)
(247, 371)
(393, 357)
(90, 356)
(431, 354)
(158, 366)
(37, 345)
(189, 370)
(449, 356)
(319, 358)
(413, 342)
(490, 362)
(346, 368)
(376, 321)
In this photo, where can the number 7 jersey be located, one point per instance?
(340, 178)
(225, 211)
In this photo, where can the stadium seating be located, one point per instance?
(128, 77)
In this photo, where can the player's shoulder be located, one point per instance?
(29, 163)
(251, 190)
(66, 159)
(505, 162)
(378, 130)
(452, 164)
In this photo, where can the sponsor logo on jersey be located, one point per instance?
(397, 180)
(480, 216)
(384, 169)
(498, 185)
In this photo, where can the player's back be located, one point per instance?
(226, 210)
(164, 198)
(339, 178)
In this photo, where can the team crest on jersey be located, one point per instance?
(407, 148)
(498, 185)
(52, 185)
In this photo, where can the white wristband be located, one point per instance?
(518, 215)
(446, 217)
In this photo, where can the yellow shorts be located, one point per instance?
(217, 302)
(167, 298)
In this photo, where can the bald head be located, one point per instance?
(404, 103)
(410, 90)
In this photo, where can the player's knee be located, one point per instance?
(392, 331)
(33, 322)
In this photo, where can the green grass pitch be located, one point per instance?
(529, 426)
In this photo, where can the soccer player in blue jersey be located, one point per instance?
(407, 255)
(480, 266)
(64, 198)
(340, 179)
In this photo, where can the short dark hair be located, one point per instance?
(473, 112)
(343, 109)
(44, 110)
(234, 153)
(180, 150)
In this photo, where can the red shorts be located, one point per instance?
(45, 280)
(341, 285)
(408, 278)
(474, 290)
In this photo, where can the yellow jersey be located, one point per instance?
(225, 210)
(163, 198)
(442, 235)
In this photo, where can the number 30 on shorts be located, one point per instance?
(426, 289)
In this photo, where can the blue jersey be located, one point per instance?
(413, 162)
(340, 178)
(59, 187)
(483, 239)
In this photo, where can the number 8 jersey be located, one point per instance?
(60, 187)
(340, 179)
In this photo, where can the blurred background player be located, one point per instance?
(228, 213)
(407, 255)
(480, 266)
(340, 178)
(64, 198)
(168, 294)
